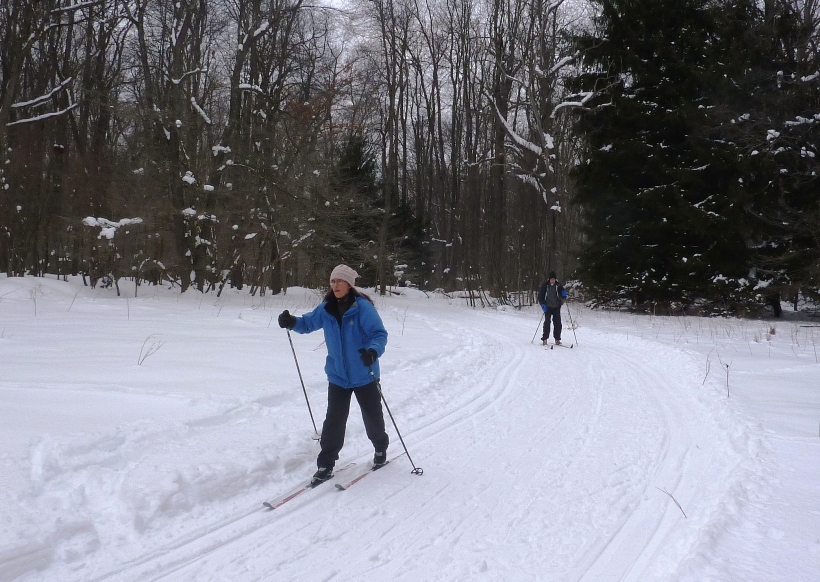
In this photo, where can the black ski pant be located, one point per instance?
(555, 314)
(338, 409)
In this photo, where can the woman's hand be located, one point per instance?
(286, 320)
(369, 357)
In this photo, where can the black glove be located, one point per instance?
(286, 320)
(369, 357)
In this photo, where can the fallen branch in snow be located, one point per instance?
(403, 320)
(727, 380)
(727, 374)
(673, 499)
(72, 301)
(708, 365)
(37, 290)
(153, 349)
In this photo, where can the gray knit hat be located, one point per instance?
(344, 273)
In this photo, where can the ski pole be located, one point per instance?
(572, 325)
(416, 470)
(537, 328)
(303, 384)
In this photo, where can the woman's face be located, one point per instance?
(340, 288)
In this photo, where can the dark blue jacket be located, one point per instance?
(361, 328)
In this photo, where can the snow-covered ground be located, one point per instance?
(140, 435)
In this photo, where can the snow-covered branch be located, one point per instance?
(555, 5)
(200, 111)
(44, 98)
(563, 62)
(77, 6)
(303, 238)
(800, 120)
(188, 74)
(529, 179)
(262, 29)
(107, 227)
(43, 117)
(517, 138)
(586, 96)
(248, 87)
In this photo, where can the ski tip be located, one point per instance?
(340, 487)
(267, 506)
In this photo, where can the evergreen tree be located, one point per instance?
(773, 127)
(700, 173)
(348, 214)
(352, 214)
(658, 190)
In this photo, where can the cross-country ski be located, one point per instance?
(303, 489)
(561, 346)
(345, 486)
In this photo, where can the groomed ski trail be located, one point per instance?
(522, 458)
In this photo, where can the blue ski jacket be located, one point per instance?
(361, 328)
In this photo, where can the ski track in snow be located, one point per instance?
(517, 481)
(539, 464)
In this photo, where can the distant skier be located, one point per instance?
(355, 339)
(551, 298)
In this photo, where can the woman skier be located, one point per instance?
(355, 338)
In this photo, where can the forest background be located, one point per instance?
(660, 153)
